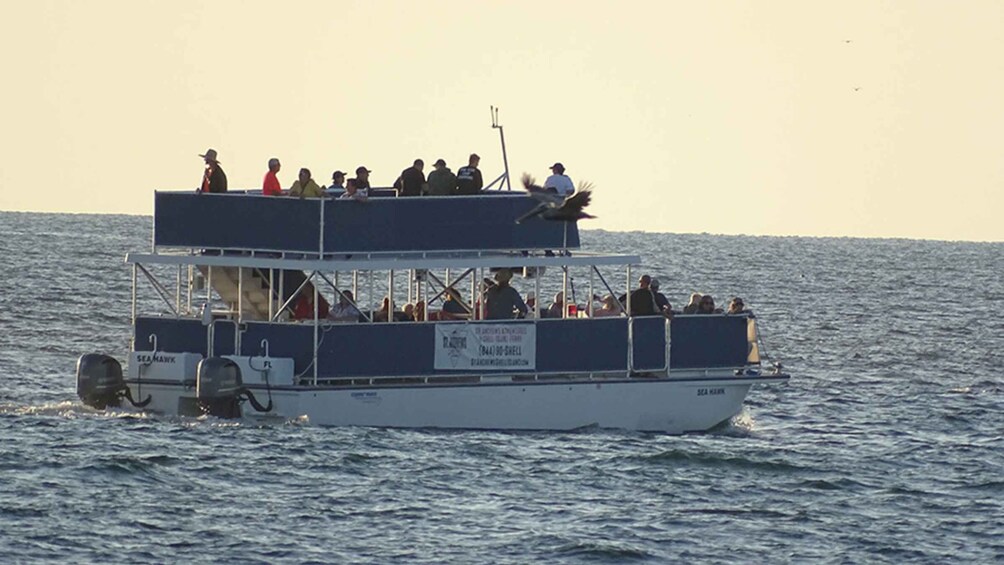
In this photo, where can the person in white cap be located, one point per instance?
(213, 179)
(559, 181)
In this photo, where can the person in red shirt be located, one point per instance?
(270, 186)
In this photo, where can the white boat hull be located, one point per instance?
(664, 405)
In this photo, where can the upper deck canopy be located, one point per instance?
(267, 223)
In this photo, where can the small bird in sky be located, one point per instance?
(555, 207)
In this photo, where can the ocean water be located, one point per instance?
(886, 446)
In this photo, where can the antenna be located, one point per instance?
(505, 159)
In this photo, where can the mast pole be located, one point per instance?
(505, 157)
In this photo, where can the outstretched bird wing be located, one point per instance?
(571, 209)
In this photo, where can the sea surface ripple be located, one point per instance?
(886, 446)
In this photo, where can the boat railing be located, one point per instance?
(322, 226)
(686, 345)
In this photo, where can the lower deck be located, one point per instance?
(444, 352)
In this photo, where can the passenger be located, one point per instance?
(503, 302)
(412, 180)
(213, 178)
(661, 302)
(559, 181)
(270, 186)
(303, 307)
(442, 181)
(707, 306)
(556, 307)
(642, 299)
(337, 187)
(419, 313)
(694, 305)
(382, 314)
(344, 310)
(407, 313)
(363, 178)
(453, 307)
(469, 178)
(736, 306)
(611, 307)
(354, 193)
(531, 300)
(305, 187)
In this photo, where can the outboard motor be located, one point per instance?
(220, 389)
(100, 383)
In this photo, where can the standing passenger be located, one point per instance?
(661, 302)
(559, 181)
(363, 178)
(412, 180)
(469, 177)
(442, 181)
(642, 299)
(305, 186)
(503, 302)
(213, 179)
(270, 186)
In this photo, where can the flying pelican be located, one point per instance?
(555, 207)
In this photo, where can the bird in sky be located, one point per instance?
(555, 207)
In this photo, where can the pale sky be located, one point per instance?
(873, 119)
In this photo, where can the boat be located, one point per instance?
(228, 271)
(229, 304)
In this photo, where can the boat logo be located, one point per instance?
(156, 359)
(367, 397)
(455, 344)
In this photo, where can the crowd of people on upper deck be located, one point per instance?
(412, 181)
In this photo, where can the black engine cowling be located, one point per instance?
(218, 387)
(100, 383)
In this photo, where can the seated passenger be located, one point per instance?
(344, 310)
(555, 309)
(503, 302)
(611, 307)
(353, 192)
(419, 314)
(305, 186)
(337, 187)
(407, 313)
(453, 307)
(736, 306)
(707, 306)
(303, 306)
(531, 300)
(382, 314)
(694, 304)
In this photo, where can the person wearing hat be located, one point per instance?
(412, 180)
(442, 181)
(559, 181)
(469, 180)
(337, 187)
(362, 179)
(503, 302)
(270, 186)
(213, 178)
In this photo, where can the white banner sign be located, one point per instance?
(486, 347)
